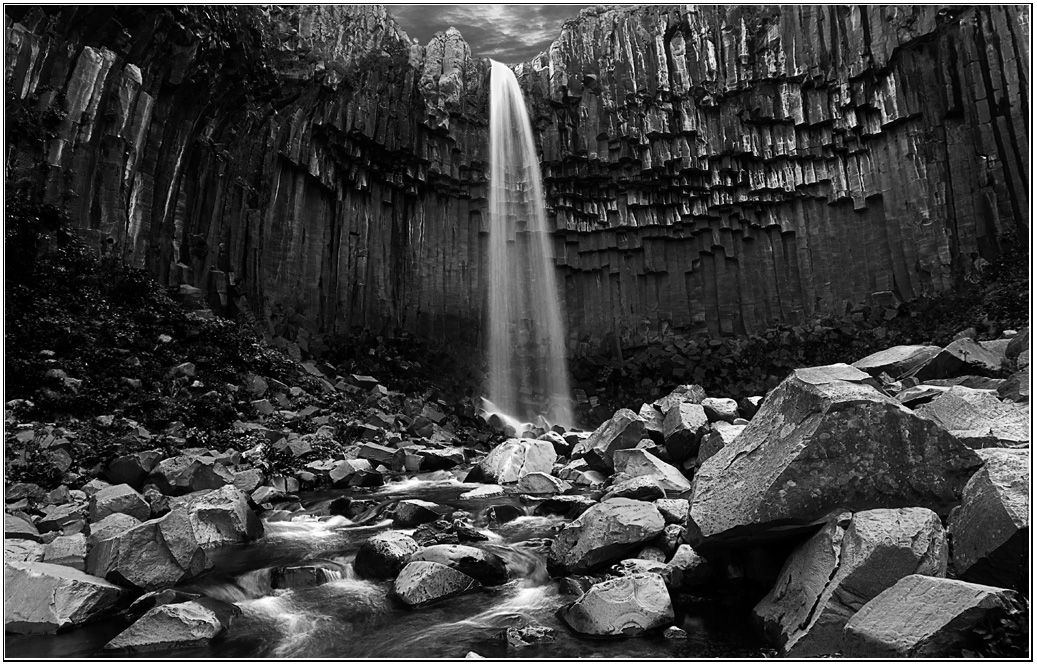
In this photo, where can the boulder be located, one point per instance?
(817, 445)
(849, 562)
(488, 490)
(119, 499)
(674, 511)
(483, 566)
(131, 469)
(897, 361)
(990, 531)
(384, 555)
(69, 551)
(16, 527)
(109, 526)
(605, 533)
(638, 462)
(687, 393)
(158, 553)
(683, 428)
(720, 409)
(653, 420)
(644, 488)
(184, 474)
(720, 435)
(750, 405)
(413, 512)
(627, 606)
(688, 571)
(511, 460)
(562, 447)
(539, 483)
(423, 583)
(961, 357)
(220, 517)
(922, 616)
(170, 626)
(44, 598)
(978, 418)
(570, 506)
(518, 637)
(296, 578)
(65, 518)
(23, 550)
(1016, 388)
(623, 431)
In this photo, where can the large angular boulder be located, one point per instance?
(220, 517)
(119, 499)
(961, 357)
(539, 483)
(922, 616)
(645, 488)
(133, 468)
(720, 435)
(158, 553)
(23, 550)
(384, 555)
(483, 566)
(827, 579)
(653, 419)
(43, 598)
(720, 409)
(688, 571)
(627, 606)
(897, 361)
(69, 551)
(110, 526)
(605, 533)
(683, 428)
(623, 431)
(978, 418)
(990, 531)
(185, 624)
(16, 527)
(690, 393)
(424, 583)
(514, 458)
(638, 462)
(414, 512)
(820, 444)
(189, 473)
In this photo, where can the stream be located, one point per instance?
(354, 618)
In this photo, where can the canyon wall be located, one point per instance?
(708, 169)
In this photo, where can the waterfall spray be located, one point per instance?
(528, 371)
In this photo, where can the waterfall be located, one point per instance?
(528, 370)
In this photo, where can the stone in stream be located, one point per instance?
(638, 462)
(500, 514)
(922, 616)
(185, 624)
(645, 488)
(413, 512)
(532, 634)
(605, 533)
(184, 474)
(683, 428)
(623, 431)
(43, 598)
(423, 583)
(627, 606)
(384, 555)
(849, 562)
(990, 530)
(687, 570)
(978, 418)
(220, 517)
(483, 566)
(818, 445)
(119, 499)
(896, 361)
(539, 483)
(488, 490)
(570, 506)
(514, 458)
(301, 577)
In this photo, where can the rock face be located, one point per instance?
(43, 598)
(990, 531)
(713, 168)
(921, 616)
(827, 579)
(513, 459)
(817, 445)
(626, 606)
(605, 533)
(423, 583)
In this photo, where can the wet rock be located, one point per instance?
(119, 499)
(897, 361)
(43, 598)
(922, 616)
(424, 583)
(301, 577)
(978, 418)
(533, 634)
(638, 462)
(675, 634)
(683, 428)
(849, 562)
(189, 473)
(627, 606)
(510, 461)
(483, 566)
(623, 431)
(686, 393)
(132, 468)
(169, 626)
(412, 512)
(501, 514)
(488, 490)
(384, 555)
(644, 488)
(69, 551)
(539, 483)
(720, 409)
(990, 531)
(220, 517)
(817, 445)
(961, 357)
(605, 533)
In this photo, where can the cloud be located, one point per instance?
(508, 33)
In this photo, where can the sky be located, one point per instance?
(507, 33)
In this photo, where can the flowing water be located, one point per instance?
(353, 618)
(528, 373)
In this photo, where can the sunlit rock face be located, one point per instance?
(705, 168)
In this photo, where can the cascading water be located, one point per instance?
(528, 371)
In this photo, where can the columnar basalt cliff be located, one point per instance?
(709, 169)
